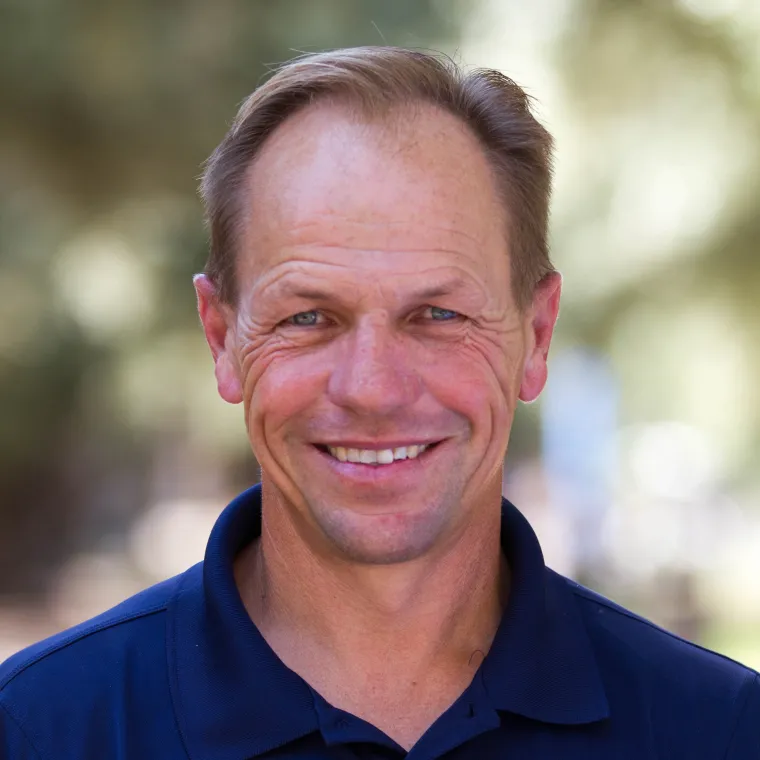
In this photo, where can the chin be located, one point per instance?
(382, 539)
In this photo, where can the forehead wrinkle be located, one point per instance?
(297, 280)
(375, 230)
(272, 278)
(307, 254)
(375, 251)
(313, 232)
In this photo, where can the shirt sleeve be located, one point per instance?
(745, 743)
(14, 745)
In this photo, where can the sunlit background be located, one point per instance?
(638, 467)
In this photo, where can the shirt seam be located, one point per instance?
(58, 646)
(172, 671)
(740, 714)
(21, 730)
(579, 591)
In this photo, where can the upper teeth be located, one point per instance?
(373, 456)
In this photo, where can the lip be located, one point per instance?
(379, 446)
(402, 473)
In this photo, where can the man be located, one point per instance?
(378, 297)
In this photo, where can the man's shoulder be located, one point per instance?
(620, 631)
(112, 664)
(85, 660)
(108, 632)
(681, 687)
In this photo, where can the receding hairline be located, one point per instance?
(394, 127)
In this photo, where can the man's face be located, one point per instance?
(376, 320)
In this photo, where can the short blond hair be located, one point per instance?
(374, 80)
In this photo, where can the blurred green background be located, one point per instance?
(639, 467)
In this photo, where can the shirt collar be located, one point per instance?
(541, 664)
(234, 698)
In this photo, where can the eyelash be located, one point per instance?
(291, 319)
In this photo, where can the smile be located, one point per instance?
(376, 456)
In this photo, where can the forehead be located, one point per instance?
(415, 181)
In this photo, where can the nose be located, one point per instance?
(375, 371)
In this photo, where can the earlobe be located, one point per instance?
(534, 379)
(544, 311)
(227, 380)
(219, 339)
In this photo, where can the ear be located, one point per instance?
(542, 314)
(218, 326)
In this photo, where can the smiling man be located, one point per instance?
(379, 298)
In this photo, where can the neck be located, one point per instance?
(435, 614)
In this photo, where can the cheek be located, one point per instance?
(479, 378)
(279, 386)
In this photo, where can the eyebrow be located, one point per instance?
(434, 291)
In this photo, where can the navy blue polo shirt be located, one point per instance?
(180, 671)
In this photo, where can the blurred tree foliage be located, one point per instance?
(668, 93)
(662, 61)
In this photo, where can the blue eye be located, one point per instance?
(442, 315)
(304, 318)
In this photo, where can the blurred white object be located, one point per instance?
(579, 440)
(172, 535)
(672, 460)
